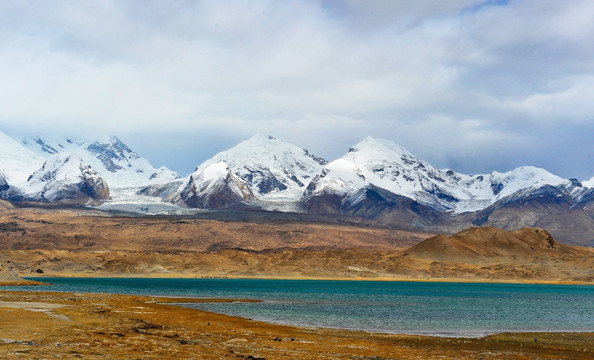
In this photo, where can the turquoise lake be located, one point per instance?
(445, 309)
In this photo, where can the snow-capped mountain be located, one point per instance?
(387, 165)
(117, 164)
(487, 189)
(272, 170)
(65, 177)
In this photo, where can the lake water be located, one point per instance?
(445, 309)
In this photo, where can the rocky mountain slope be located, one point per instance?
(3, 183)
(215, 186)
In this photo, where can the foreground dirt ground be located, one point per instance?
(43, 325)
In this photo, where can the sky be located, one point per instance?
(474, 86)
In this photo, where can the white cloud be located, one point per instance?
(484, 73)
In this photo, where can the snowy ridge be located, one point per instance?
(16, 161)
(484, 190)
(389, 166)
(273, 170)
(111, 158)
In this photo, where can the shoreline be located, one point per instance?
(97, 326)
(301, 277)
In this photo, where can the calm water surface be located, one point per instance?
(450, 309)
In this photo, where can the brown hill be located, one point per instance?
(528, 254)
(475, 244)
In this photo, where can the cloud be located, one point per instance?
(478, 83)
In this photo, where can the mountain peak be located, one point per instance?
(273, 169)
(115, 140)
(380, 147)
(524, 177)
(389, 166)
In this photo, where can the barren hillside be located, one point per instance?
(65, 243)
